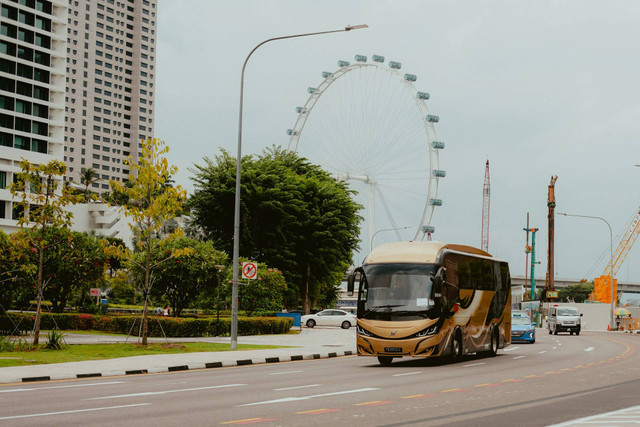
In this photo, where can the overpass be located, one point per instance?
(627, 287)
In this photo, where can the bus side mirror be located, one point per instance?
(351, 280)
(438, 280)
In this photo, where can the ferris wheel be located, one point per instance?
(367, 124)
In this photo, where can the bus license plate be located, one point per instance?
(393, 349)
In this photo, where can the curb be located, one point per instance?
(177, 368)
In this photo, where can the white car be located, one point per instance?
(331, 317)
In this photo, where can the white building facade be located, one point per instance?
(33, 36)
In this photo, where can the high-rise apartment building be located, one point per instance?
(33, 36)
(111, 57)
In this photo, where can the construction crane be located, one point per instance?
(486, 191)
(551, 204)
(602, 285)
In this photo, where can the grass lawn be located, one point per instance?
(79, 352)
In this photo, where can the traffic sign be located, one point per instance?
(249, 270)
(552, 294)
(94, 292)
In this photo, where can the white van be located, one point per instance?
(564, 319)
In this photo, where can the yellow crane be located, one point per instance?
(602, 285)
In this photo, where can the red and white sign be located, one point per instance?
(94, 292)
(249, 270)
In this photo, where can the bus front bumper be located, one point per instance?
(411, 347)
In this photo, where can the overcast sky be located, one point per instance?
(539, 88)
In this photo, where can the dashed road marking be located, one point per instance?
(519, 357)
(285, 373)
(297, 387)
(407, 373)
(473, 364)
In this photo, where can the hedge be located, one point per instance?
(123, 324)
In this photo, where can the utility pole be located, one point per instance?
(527, 251)
(533, 261)
(551, 204)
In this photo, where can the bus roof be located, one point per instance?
(415, 252)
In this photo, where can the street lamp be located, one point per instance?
(610, 262)
(236, 211)
(386, 229)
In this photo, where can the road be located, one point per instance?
(558, 378)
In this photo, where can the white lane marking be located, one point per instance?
(589, 349)
(473, 364)
(153, 393)
(519, 357)
(294, 388)
(407, 373)
(284, 373)
(293, 399)
(73, 411)
(554, 348)
(13, 390)
(511, 348)
(543, 351)
(606, 418)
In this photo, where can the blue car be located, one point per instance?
(522, 329)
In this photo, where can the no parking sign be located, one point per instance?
(249, 270)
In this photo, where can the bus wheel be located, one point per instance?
(456, 347)
(385, 360)
(495, 338)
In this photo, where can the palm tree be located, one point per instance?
(88, 176)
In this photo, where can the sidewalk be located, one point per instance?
(313, 343)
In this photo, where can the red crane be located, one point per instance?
(486, 199)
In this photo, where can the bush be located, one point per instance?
(55, 340)
(123, 324)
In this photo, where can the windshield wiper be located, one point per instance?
(378, 307)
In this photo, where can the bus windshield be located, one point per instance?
(397, 292)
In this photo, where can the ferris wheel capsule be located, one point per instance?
(410, 77)
(377, 58)
(438, 173)
(429, 229)
(435, 202)
(342, 63)
(326, 74)
(423, 95)
(433, 119)
(438, 145)
(301, 110)
(361, 58)
(312, 90)
(395, 65)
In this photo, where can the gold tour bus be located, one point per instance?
(423, 299)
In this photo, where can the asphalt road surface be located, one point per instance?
(557, 379)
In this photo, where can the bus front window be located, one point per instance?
(397, 292)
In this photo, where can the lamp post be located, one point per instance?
(386, 229)
(236, 211)
(611, 324)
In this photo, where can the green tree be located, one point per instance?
(294, 216)
(42, 200)
(181, 280)
(151, 203)
(578, 292)
(264, 293)
(88, 177)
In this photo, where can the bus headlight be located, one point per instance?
(431, 330)
(361, 331)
